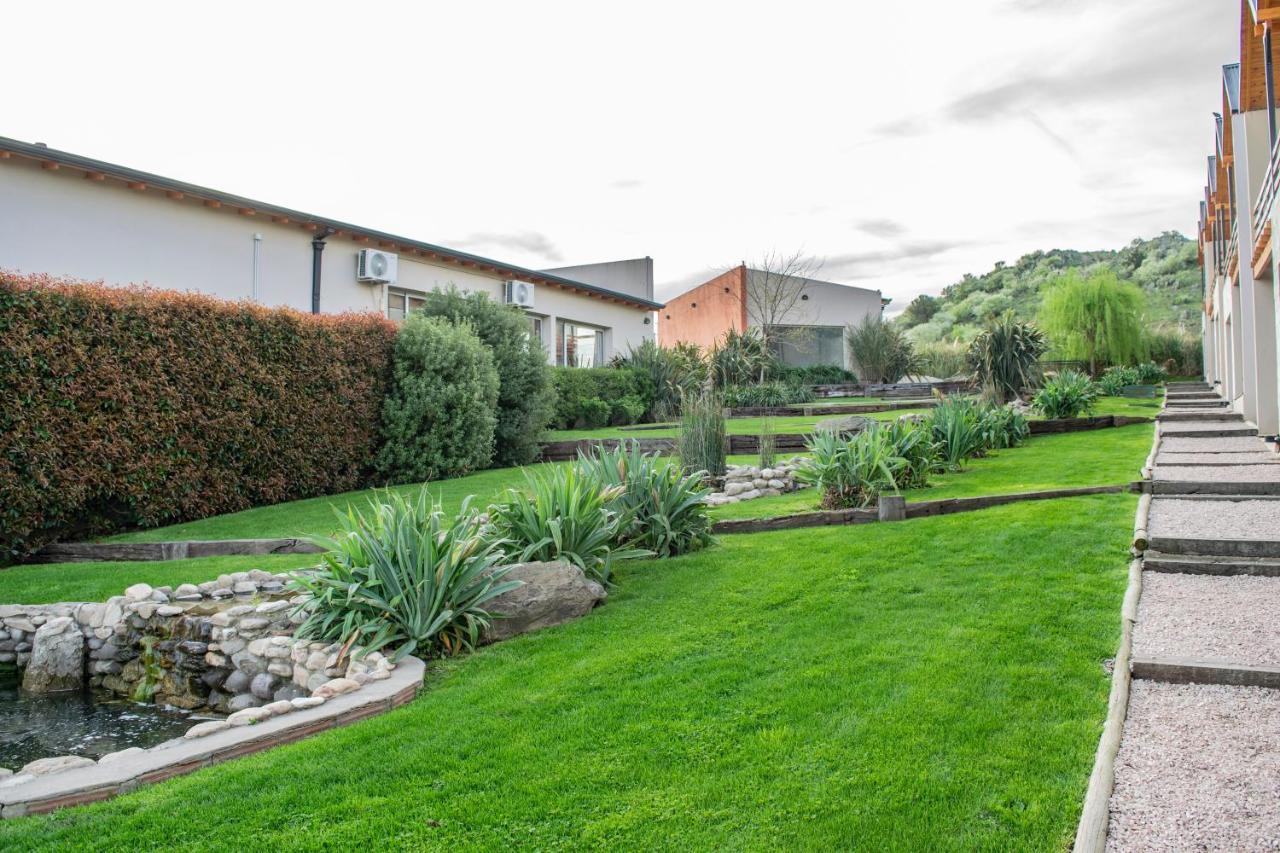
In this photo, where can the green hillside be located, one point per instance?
(1164, 267)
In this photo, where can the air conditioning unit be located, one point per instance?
(519, 293)
(376, 266)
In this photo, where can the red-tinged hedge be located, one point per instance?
(136, 407)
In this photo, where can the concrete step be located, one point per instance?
(1196, 402)
(1171, 416)
(1195, 564)
(1215, 487)
(1208, 429)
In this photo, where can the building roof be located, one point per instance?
(52, 159)
(1231, 83)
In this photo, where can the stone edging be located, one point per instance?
(40, 794)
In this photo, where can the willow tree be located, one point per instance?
(1097, 319)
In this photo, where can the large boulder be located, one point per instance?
(57, 658)
(549, 594)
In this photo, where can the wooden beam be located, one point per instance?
(4, 155)
(175, 195)
(94, 176)
(137, 185)
(280, 220)
(1266, 16)
(213, 203)
(48, 165)
(246, 211)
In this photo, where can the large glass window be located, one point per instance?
(578, 345)
(401, 302)
(803, 346)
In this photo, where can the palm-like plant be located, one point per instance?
(740, 358)
(405, 575)
(1004, 357)
(850, 472)
(1066, 395)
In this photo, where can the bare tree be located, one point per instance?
(773, 291)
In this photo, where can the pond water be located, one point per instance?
(83, 723)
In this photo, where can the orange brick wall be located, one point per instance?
(704, 314)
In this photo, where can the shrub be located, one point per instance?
(564, 513)
(627, 410)
(663, 509)
(403, 575)
(593, 413)
(128, 407)
(439, 415)
(702, 435)
(880, 349)
(1066, 395)
(815, 374)
(766, 394)
(1116, 378)
(1003, 358)
(525, 393)
(850, 472)
(942, 360)
(957, 429)
(666, 374)
(1178, 351)
(1002, 426)
(1150, 373)
(576, 384)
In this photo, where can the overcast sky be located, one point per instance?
(905, 143)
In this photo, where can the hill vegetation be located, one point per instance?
(1164, 267)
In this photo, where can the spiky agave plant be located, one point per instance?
(664, 509)
(405, 575)
(563, 513)
(851, 472)
(1004, 358)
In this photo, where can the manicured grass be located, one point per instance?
(1090, 458)
(50, 582)
(906, 686)
(735, 426)
(1129, 406)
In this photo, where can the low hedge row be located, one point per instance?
(127, 407)
(599, 396)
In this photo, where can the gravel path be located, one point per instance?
(1198, 769)
(1209, 619)
(1262, 458)
(1215, 519)
(1267, 473)
(1211, 444)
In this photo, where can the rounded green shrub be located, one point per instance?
(593, 413)
(438, 419)
(525, 392)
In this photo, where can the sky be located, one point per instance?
(901, 144)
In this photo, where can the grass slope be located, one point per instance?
(734, 426)
(909, 687)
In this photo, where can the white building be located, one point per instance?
(67, 215)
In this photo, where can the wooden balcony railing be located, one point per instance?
(1262, 211)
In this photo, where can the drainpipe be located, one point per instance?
(257, 252)
(1271, 84)
(317, 251)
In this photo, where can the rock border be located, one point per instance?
(24, 795)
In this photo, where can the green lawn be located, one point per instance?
(1091, 458)
(735, 426)
(902, 686)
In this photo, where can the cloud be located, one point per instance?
(627, 184)
(882, 227)
(522, 241)
(871, 264)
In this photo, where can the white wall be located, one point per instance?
(634, 276)
(63, 224)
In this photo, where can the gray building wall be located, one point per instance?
(633, 277)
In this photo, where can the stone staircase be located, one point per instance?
(1199, 759)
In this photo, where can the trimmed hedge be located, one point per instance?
(128, 407)
(599, 396)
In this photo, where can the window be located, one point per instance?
(401, 302)
(802, 346)
(578, 345)
(535, 328)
